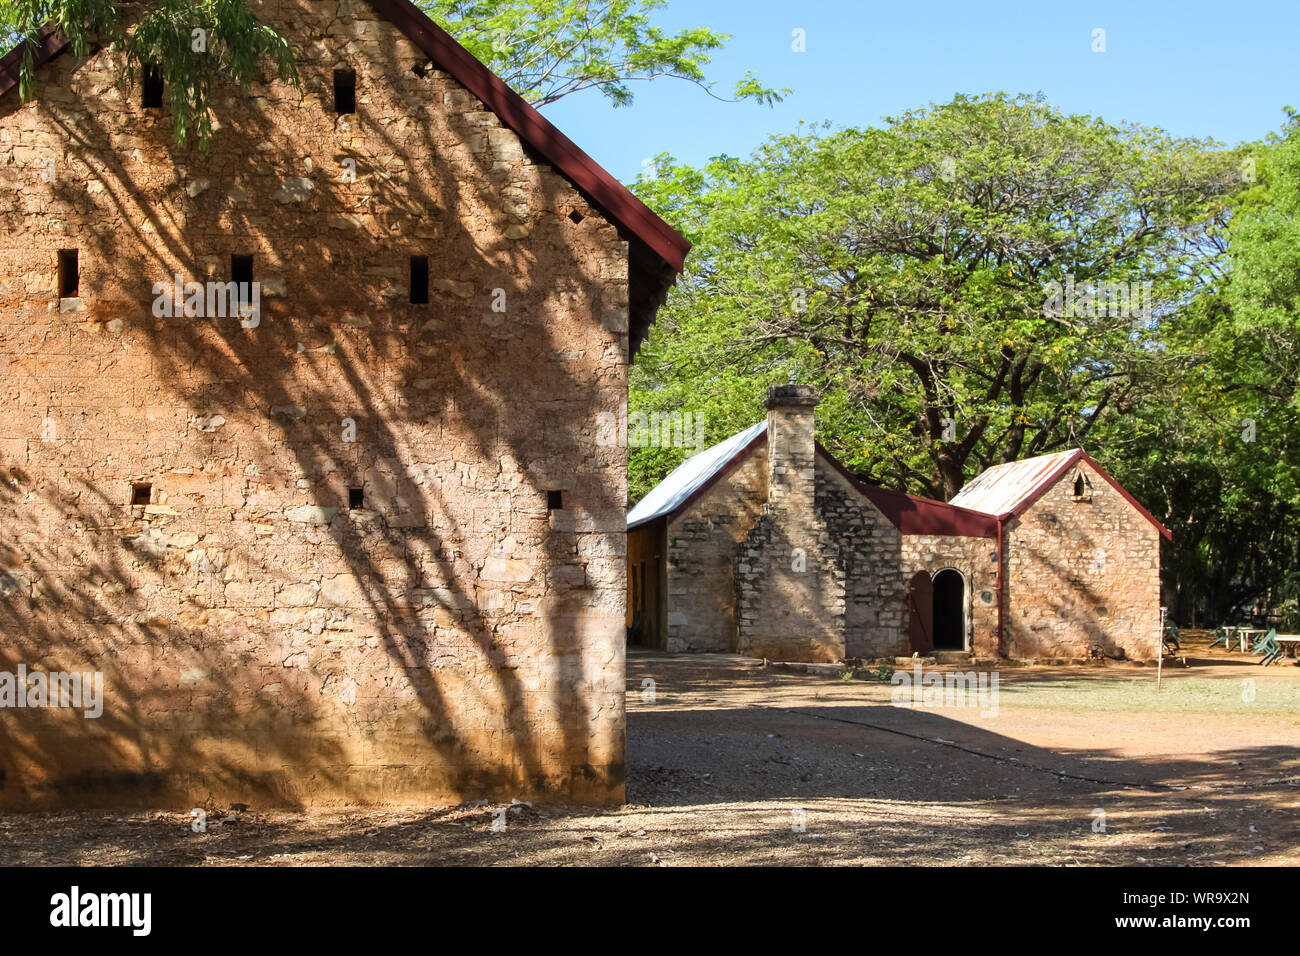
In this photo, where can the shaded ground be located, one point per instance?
(727, 759)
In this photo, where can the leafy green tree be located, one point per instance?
(1217, 449)
(192, 42)
(907, 271)
(549, 49)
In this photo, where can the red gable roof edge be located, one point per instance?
(513, 109)
(536, 130)
(50, 43)
(1081, 455)
(912, 514)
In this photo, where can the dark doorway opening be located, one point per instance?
(949, 611)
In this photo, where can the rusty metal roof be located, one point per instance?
(1002, 489)
(1009, 489)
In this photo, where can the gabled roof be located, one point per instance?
(908, 513)
(634, 219)
(912, 514)
(695, 474)
(1008, 490)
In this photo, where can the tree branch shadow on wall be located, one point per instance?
(436, 392)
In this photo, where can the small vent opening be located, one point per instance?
(152, 97)
(69, 274)
(345, 91)
(419, 280)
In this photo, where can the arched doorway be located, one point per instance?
(949, 611)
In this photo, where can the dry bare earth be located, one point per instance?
(1204, 772)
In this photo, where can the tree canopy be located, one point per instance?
(991, 279)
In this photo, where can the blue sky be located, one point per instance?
(1194, 68)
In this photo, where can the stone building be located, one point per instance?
(765, 545)
(340, 532)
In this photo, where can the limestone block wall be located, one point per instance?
(703, 545)
(1083, 575)
(973, 557)
(865, 546)
(790, 590)
(354, 553)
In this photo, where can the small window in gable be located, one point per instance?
(345, 91)
(1082, 487)
(152, 98)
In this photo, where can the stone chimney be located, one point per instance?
(791, 448)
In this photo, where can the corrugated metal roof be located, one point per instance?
(1001, 489)
(691, 475)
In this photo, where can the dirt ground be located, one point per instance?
(734, 763)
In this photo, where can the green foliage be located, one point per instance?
(549, 49)
(1217, 448)
(194, 43)
(902, 270)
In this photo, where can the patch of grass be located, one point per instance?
(1247, 695)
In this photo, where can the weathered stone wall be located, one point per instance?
(454, 637)
(973, 558)
(865, 547)
(789, 588)
(703, 546)
(1083, 576)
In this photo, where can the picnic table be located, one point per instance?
(1248, 635)
(1290, 643)
(1237, 632)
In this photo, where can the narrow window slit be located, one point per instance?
(241, 273)
(153, 88)
(69, 274)
(419, 280)
(345, 91)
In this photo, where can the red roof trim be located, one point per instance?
(912, 514)
(1080, 455)
(50, 43)
(536, 130)
(585, 173)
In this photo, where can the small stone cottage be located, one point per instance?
(765, 545)
(298, 437)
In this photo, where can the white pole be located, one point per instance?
(1160, 647)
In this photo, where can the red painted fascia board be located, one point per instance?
(536, 130)
(50, 44)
